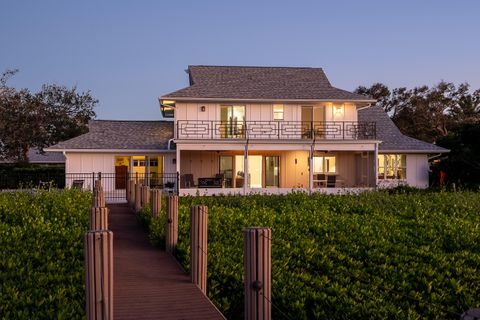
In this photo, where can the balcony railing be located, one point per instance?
(279, 130)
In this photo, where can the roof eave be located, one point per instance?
(264, 100)
(413, 151)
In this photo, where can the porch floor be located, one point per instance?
(148, 282)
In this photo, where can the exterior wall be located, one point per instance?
(260, 111)
(169, 165)
(200, 164)
(417, 170)
(89, 162)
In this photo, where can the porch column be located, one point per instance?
(245, 170)
(375, 163)
(310, 169)
(177, 167)
(147, 170)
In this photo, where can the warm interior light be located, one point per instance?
(168, 108)
(338, 110)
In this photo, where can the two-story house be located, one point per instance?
(258, 129)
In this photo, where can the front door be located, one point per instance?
(121, 177)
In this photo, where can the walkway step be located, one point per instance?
(149, 283)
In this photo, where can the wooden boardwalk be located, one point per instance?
(148, 282)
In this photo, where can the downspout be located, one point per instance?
(310, 165)
(169, 143)
(434, 156)
(367, 106)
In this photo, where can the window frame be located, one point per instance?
(399, 165)
(276, 112)
(324, 164)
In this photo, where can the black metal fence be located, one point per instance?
(114, 184)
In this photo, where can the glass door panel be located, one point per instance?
(272, 169)
(307, 118)
(226, 168)
(232, 118)
(255, 171)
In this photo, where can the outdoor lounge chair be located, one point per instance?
(331, 181)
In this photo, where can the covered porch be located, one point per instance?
(247, 171)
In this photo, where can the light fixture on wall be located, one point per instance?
(202, 108)
(338, 110)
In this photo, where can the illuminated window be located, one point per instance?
(278, 112)
(167, 107)
(392, 166)
(324, 164)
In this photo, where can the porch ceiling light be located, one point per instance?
(338, 110)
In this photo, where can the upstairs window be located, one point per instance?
(392, 166)
(167, 107)
(278, 111)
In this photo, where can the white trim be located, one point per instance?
(412, 151)
(265, 100)
(126, 151)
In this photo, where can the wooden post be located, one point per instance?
(156, 198)
(172, 223)
(98, 195)
(98, 218)
(131, 188)
(199, 246)
(99, 274)
(257, 268)
(127, 188)
(138, 191)
(145, 198)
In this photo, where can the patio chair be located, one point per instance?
(331, 180)
(186, 181)
(320, 180)
(77, 184)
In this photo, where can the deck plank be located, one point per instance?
(149, 283)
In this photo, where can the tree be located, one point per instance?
(27, 120)
(463, 162)
(427, 113)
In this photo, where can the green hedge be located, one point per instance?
(41, 259)
(375, 255)
(26, 176)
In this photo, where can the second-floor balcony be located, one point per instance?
(278, 130)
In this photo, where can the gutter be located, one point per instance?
(129, 151)
(266, 100)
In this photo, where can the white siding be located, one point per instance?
(259, 111)
(417, 170)
(89, 162)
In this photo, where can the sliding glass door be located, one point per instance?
(231, 121)
(272, 168)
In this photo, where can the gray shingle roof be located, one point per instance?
(275, 83)
(34, 156)
(392, 138)
(122, 135)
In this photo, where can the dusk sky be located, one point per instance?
(128, 53)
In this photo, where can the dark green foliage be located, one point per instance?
(462, 166)
(369, 256)
(41, 258)
(53, 114)
(31, 175)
